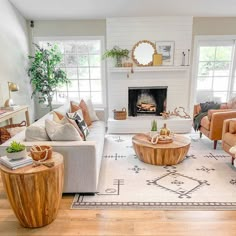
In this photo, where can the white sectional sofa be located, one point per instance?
(82, 159)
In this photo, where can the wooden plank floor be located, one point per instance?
(122, 222)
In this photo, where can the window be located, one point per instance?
(83, 65)
(215, 73)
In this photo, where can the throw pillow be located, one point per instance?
(232, 103)
(78, 117)
(61, 132)
(209, 105)
(61, 119)
(15, 130)
(36, 133)
(82, 105)
(92, 113)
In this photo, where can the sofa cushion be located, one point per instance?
(78, 118)
(36, 133)
(82, 105)
(61, 132)
(232, 126)
(205, 123)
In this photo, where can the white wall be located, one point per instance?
(125, 32)
(14, 51)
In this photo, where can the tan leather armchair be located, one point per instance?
(229, 136)
(212, 124)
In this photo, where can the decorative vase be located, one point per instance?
(17, 155)
(164, 131)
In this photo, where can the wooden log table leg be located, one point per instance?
(35, 197)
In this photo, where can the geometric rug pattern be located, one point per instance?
(205, 179)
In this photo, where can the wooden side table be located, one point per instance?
(35, 192)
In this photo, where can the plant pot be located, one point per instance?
(17, 155)
(41, 153)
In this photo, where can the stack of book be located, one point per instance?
(15, 164)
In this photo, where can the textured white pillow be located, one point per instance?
(15, 130)
(61, 132)
(91, 110)
(36, 133)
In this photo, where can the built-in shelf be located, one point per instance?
(149, 69)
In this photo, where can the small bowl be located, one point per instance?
(17, 155)
(41, 153)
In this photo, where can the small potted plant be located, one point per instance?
(116, 53)
(16, 151)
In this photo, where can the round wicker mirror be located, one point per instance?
(142, 53)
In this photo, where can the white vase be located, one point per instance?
(17, 155)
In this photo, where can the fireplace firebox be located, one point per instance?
(147, 100)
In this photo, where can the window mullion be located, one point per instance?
(232, 71)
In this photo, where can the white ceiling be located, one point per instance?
(101, 9)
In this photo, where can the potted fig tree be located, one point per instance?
(45, 73)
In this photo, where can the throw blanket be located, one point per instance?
(204, 110)
(197, 120)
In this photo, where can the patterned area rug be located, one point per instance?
(205, 179)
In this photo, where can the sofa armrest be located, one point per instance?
(216, 125)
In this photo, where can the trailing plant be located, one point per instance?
(15, 147)
(154, 125)
(116, 53)
(46, 76)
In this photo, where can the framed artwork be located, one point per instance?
(166, 48)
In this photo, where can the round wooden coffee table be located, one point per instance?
(35, 192)
(161, 154)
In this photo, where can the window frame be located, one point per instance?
(214, 40)
(103, 73)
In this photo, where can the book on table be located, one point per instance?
(15, 164)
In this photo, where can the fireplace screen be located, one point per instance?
(147, 101)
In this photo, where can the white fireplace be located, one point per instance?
(125, 33)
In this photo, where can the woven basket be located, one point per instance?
(120, 115)
(4, 134)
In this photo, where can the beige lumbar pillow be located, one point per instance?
(36, 133)
(61, 132)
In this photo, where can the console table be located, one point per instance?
(142, 124)
(10, 114)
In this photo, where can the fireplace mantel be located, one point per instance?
(149, 69)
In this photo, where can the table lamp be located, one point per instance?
(12, 87)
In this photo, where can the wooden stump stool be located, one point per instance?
(35, 192)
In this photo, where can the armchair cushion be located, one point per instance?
(232, 126)
(205, 122)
